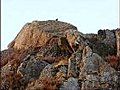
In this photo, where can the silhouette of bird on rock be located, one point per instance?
(56, 19)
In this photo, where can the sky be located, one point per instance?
(87, 15)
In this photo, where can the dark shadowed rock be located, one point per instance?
(31, 68)
(103, 43)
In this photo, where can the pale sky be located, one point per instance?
(88, 15)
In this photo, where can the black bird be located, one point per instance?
(57, 19)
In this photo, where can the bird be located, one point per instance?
(57, 19)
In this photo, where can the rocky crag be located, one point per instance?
(54, 55)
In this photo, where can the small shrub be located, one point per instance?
(113, 61)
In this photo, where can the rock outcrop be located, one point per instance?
(103, 43)
(54, 55)
(118, 41)
(38, 33)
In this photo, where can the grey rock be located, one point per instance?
(71, 84)
(48, 71)
(74, 63)
(91, 61)
(31, 67)
(72, 68)
(110, 38)
(63, 69)
(95, 72)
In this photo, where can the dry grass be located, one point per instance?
(50, 83)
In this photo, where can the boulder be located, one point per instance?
(103, 43)
(37, 33)
(31, 68)
(70, 84)
(107, 37)
(96, 73)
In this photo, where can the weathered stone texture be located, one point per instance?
(54, 55)
(118, 41)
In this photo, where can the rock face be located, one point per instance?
(95, 73)
(38, 33)
(54, 55)
(71, 84)
(103, 43)
(118, 41)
